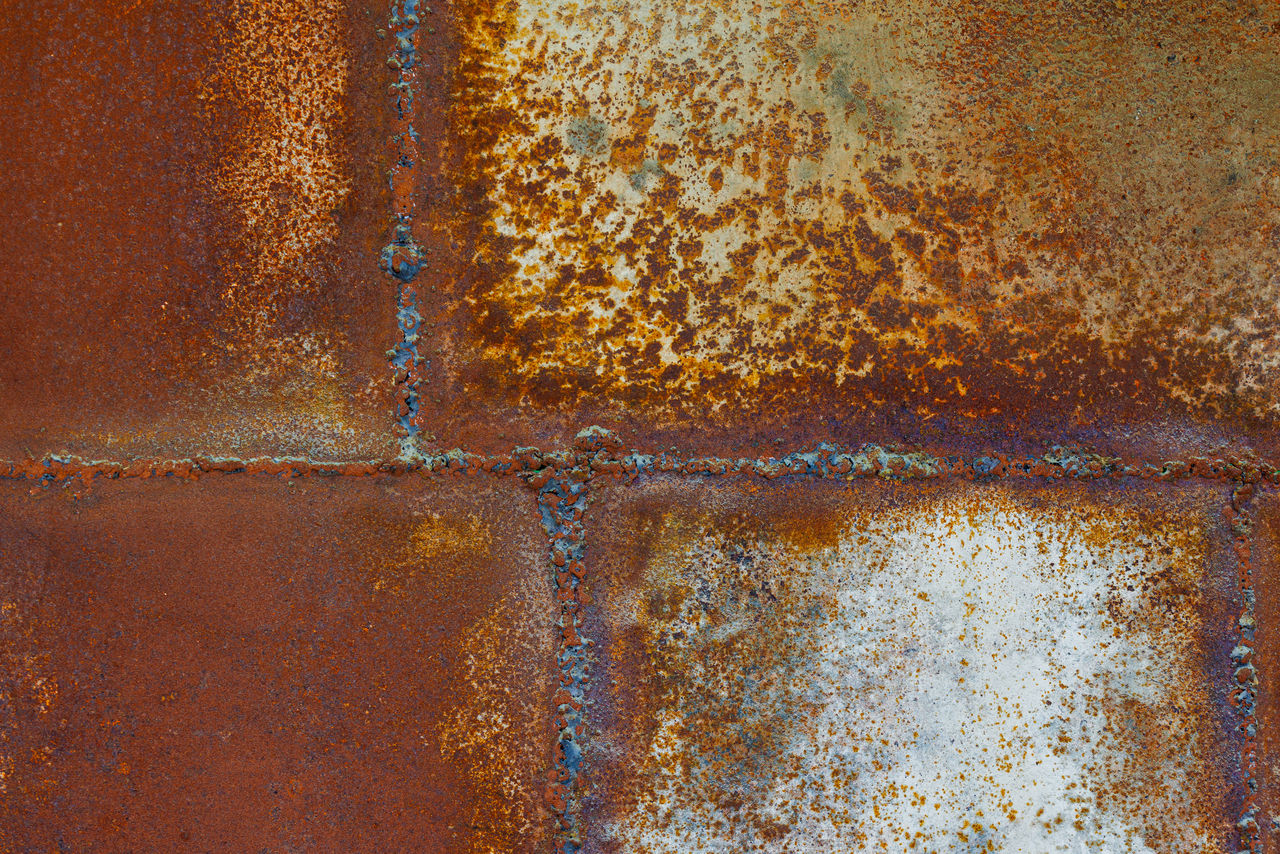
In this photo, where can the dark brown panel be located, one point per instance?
(194, 200)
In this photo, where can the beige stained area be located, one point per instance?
(960, 673)
(695, 200)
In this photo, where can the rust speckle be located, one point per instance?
(987, 210)
(987, 668)
(196, 200)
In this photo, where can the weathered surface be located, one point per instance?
(194, 200)
(815, 667)
(259, 255)
(895, 217)
(249, 663)
(1257, 659)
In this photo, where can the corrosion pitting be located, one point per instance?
(284, 175)
(731, 208)
(995, 668)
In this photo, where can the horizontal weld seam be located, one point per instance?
(828, 462)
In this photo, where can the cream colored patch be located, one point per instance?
(964, 675)
(760, 115)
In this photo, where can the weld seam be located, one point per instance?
(402, 258)
(562, 499)
(602, 455)
(1244, 674)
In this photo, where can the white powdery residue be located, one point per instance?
(974, 680)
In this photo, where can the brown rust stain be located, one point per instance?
(196, 202)
(981, 208)
(1262, 552)
(980, 669)
(216, 664)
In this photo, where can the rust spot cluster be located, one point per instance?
(983, 209)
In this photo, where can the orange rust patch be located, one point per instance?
(979, 208)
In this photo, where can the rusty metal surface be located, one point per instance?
(521, 425)
(1003, 667)
(900, 219)
(247, 663)
(194, 200)
(1260, 540)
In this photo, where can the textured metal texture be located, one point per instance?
(249, 663)
(192, 202)
(897, 218)
(931, 666)
(639, 427)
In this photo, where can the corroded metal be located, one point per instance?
(892, 217)
(934, 508)
(1256, 527)
(987, 667)
(252, 663)
(192, 213)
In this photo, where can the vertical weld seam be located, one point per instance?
(402, 258)
(562, 499)
(1244, 676)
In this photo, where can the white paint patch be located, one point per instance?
(961, 676)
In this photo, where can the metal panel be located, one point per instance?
(725, 222)
(539, 425)
(250, 663)
(1022, 666)
(195, 198)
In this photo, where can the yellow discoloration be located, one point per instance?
(712, 204)
(438, 552)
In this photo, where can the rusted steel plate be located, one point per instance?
(898, 218)
(195, 199)
(249, 664)
(1256, 660)
(931, 667)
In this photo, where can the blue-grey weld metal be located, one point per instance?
(1244, 694)
(562, 500)
(403, 257)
